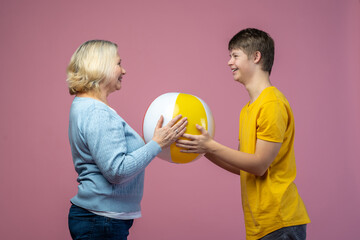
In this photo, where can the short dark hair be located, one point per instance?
(250, 40)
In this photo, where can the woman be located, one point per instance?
(109, 156)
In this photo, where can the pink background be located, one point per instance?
(179, 46)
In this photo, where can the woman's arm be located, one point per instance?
(106, 140)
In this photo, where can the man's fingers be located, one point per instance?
(189, 136)
(188, 151)
(185, 143)
(201, 129)
(185, 146)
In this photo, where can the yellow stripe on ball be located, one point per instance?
(191, 107)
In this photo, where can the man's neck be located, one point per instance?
(257, 84)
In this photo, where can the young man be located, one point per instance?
(265, 160)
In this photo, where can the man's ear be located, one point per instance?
(257, 57)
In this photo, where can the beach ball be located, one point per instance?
(170, 105)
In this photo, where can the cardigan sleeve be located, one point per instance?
(106, 139)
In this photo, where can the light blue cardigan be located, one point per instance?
(109, 156)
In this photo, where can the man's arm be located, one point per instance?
(256, 164)
(222, 164)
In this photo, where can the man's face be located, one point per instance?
(240, 65)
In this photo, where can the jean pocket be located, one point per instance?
(81, 223)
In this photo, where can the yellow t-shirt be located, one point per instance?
(271, 201)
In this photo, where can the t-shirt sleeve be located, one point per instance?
(272, 122)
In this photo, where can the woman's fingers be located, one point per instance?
(176, 128)
(177, 125)
(174, 120)
(160, 122)
(183, 130)
(180, 126)
(166, 135)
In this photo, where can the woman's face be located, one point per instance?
(114, 82)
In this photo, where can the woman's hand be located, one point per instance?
(168, 134)
(196, 143)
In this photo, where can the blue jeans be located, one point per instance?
(87, 225)
(287, 233)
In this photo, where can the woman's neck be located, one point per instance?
(97, 96)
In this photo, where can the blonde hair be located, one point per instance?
(90, 65)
